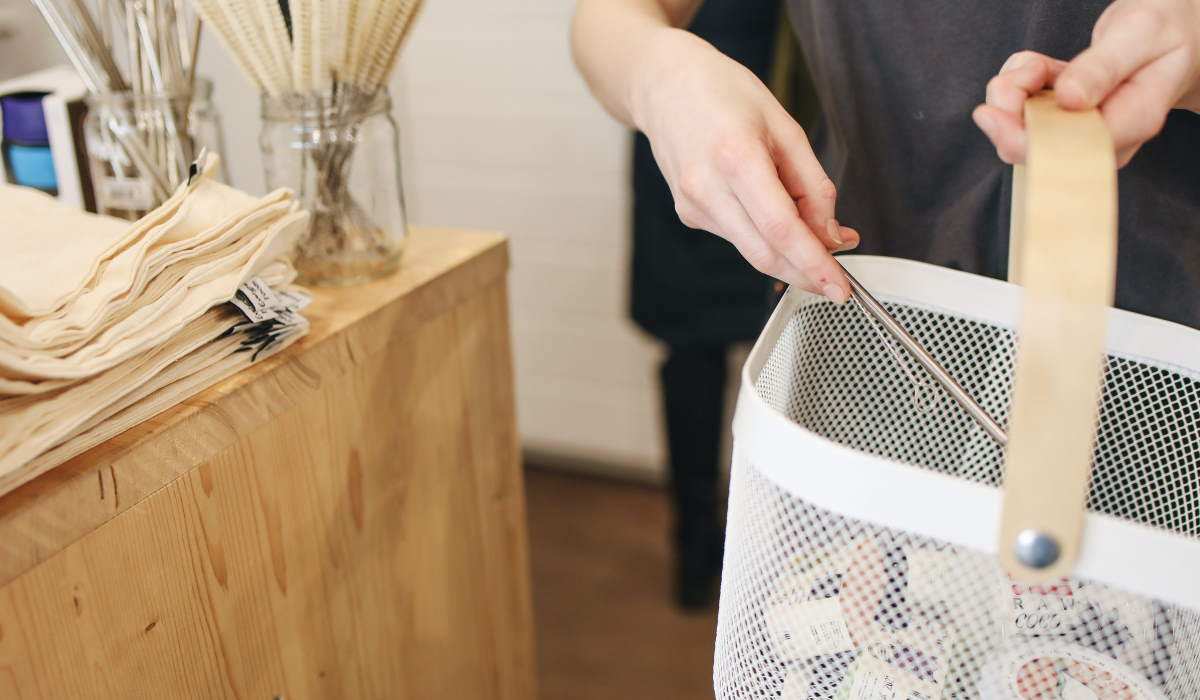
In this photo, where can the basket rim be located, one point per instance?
(1118, 552)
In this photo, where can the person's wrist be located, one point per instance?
(658, 66)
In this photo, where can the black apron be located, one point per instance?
(897, 82)
(690, 287)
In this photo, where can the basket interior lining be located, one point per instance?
(832, 373)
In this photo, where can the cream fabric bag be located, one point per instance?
(212, 281)
(104, 323)
(31, 424)
(208, 211)
(276, 274)
(186, 377)
(93, 309)
(66, 332)
(153, 289)
(47, 263)
(39, 432)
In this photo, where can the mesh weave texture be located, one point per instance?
(818, 605)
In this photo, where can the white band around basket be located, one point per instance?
(1121, 553)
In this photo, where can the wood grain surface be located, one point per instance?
(345, 520)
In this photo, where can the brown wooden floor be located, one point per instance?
(601, 586)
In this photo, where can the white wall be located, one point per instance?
(500, 133)
(26, 44)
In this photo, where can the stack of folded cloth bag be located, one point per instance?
(104, 323)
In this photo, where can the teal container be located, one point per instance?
(31, 166)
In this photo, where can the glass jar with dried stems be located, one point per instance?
(339, 151)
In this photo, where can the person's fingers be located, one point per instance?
(1024, 74)
(691, 189)
(835, 237)
(1136, 110)
(1005, 131)
(1002, 116)
(703, 201)
(1018, 60)
(1128, 40)
(1106, 18)
(739, 229)
(805, 180)
(849, 237)
(753, 177)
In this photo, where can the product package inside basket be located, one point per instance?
(882, 544)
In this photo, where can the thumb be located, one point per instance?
(1120, 46)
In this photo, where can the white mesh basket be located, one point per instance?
(861, 549)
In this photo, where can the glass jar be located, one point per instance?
(340, 153)
(140, 145)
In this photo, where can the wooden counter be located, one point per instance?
(343, 520)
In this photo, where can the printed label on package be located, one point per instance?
(871, 679)
(257, 301)
(1043, 610)
(812, 628)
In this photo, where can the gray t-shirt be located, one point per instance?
(897, 82)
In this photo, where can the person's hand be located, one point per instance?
(738, 165)
(1143, 62)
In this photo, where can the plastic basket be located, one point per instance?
(863, 556)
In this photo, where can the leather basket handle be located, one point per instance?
(1063, 245)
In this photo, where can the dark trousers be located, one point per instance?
(693, 386)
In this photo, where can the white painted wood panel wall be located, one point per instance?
(500, 132)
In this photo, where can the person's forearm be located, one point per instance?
(613, 41)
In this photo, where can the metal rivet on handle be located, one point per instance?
(1037, 550)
